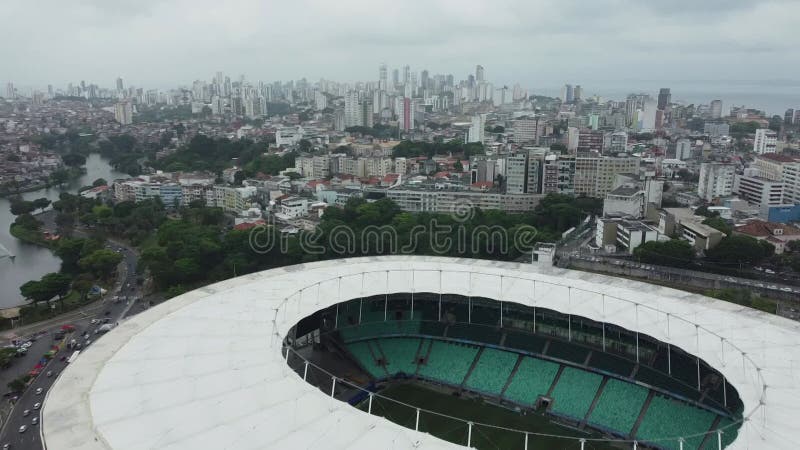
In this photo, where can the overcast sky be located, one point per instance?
(163, 43)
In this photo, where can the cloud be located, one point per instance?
(163, 43)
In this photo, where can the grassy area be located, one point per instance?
(72, 301)
(478, 411)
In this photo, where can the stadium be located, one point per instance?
(432, 353)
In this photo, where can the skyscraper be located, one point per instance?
(382, 77)
(577, 93)
(120, 85)
(406, 74)
(352, 111)
(123, 112)
(406, 114)
(567, 93)
(476, 130)
(664, 98)
(716, 109)
(479, 74)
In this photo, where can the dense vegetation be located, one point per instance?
(410, 149)
(196, 249)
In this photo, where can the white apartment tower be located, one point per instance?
(476, 130)
(766, 141)
(352, 110)
(716, 180)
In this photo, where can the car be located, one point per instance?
(771, 272)
(23, 428)
(6, 446)
(37, 405)
(95, 321)
(49, 373)
(39, 391)
(34, 421)
(26, 413)
(786, 289)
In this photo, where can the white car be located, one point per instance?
(23, 428)
(49, 373)
(95, 321)
(39, 391)
(37, 405)
(34, 421)
(26, 413)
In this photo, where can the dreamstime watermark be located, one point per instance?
(457, 236)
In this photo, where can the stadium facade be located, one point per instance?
(219, 367)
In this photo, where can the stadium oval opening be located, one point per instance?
(489, 374)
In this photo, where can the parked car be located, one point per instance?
(37, 405)
(39, 391)
(23, 428)
(26, 413)
(34, 421)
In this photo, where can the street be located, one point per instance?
(84, 334)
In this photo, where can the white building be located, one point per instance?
(683, 149)
(123, 112)
(759, 191)
(766, 141)
(716, 180)
(352, 110)
(476, 130)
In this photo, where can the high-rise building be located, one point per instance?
(615, 143)
(788, 117)
(320, 100)
(479, 74)
(120, 85)
(716, 109)
(367, 118)
(476, 130)
(716, 180)
(382, 80)
(567, 93)
(406, 74)
(11, 93)
(683, 149)
(766, 141)
(577, 93)
(405, 113)
(123, 112)
(664, 98)
(524, 171)
(528, 130)
(352, 110)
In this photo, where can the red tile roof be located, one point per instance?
(760, 228)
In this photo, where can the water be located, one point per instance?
(33, 261)
(773, 97)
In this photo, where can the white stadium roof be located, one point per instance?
(205, 370)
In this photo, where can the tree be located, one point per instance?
(41, 203)
(102, 262)
(13, 157)
(59, 177)
(458, 167)
(74, 159)
(35, 292)
(19, 207)
(719, 223)
(99, 182)
(740, 249)
(674, 252)
(57, 284)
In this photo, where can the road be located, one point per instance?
(82, 320)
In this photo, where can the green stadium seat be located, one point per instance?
(532, 379)
(669, 418)
(574, 392)
(619, 406)
(448, 362)
(401, 354)
(361, 351)
(492, 370)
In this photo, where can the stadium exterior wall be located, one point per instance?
(205, 369)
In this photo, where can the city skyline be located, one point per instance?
(346, 41)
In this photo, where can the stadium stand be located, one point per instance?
(532, 379)
(401, 354)
(671, 418)
(574, 392)
(492, 370)
(655, 378)
(448, 362)
(619, 406)
(611, 363)
(525, 342)
(567, 351)
(361, 351)
(475, 333)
